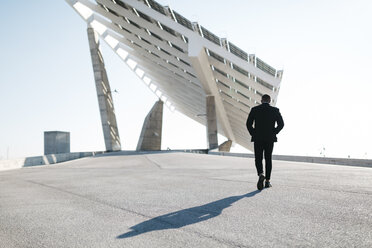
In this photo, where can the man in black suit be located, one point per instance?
(263, 135)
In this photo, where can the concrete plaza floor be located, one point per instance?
(184, 200)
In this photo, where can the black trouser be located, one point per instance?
(261, 147)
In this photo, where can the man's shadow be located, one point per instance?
(184, 217)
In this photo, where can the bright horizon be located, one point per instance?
(322, 46)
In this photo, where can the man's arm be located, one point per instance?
(249, 123)
(280, 122)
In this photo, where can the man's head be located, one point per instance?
(266, 99)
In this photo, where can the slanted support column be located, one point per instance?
(225, 146)
(212, 140)
(105, 102)
(150, 138)
(199, 61)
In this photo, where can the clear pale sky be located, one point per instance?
(324, 48)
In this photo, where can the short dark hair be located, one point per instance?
(266, 98)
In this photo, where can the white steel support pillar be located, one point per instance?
(212, 139)
(105, 102)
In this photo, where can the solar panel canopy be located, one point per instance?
(182, 62)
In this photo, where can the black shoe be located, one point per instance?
(260, 183)
(268, 184)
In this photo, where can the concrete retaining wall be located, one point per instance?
(58, 158)
(319, 160)
(43, 160)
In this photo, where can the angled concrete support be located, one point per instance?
(150, 138)
(199, 61)
(212, 140)
(225, 146)
(105, 102)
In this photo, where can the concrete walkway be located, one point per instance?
(184, 200)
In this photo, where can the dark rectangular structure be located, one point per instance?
(56, 142)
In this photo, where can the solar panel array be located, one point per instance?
(238, 52)
(183, 21)
(154, 5)
(265, 67)
(210, 36)
(154, 41)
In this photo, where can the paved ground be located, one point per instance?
(184, 200)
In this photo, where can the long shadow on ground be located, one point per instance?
(185, 217)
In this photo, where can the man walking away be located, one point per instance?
(263, 135)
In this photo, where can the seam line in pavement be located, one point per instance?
(151, 161)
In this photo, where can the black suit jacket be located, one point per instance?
(264, 118)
